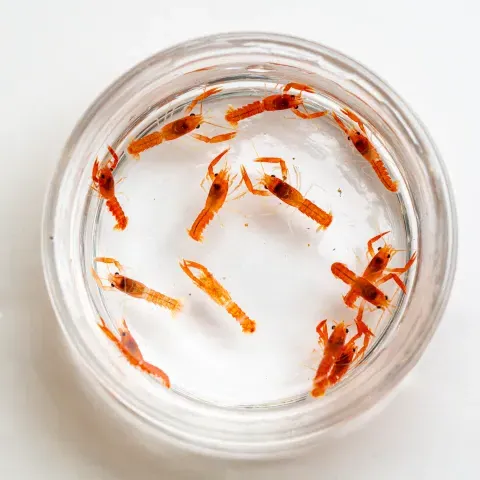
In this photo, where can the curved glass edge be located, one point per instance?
(48, 220)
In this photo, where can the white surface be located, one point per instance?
(55, 60)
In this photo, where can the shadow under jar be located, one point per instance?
(234, 394)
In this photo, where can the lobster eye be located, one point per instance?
(216, 174)
(296, 107)
(386, 297)
(116, 273)
(111, 169)
(265, 187)
(346, 330)
(348, 138)
(379, 248)
(292, 96)
(388, 256)
(198, 126)
(102, 176)
(192, 114)
(112, 284)
(379, 306)
(333, 327)
(273, 176)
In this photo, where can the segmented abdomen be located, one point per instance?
(320, 216)
(343, 273)
(145, 366)
(203, 219)
(117, 212)
(234, 115)
(164, 301)
(248, 325)
(341, 366)
(323, 369)
(148, 141)
(320, 382)
(155, 371)
(382, 173)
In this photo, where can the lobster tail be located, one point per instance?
(384, 176)
(343, 273)
(118, 214)
(318, 215)
(203, 219)
(148, 141)
(248, 325)
(176, 307)
(164, 301)
(319, 387)
(234, 115)
(155, 372)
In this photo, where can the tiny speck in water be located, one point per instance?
(308, 244)
(339, 191)
(190, 294)
(293, 158)
(246, 224)
(51, 237)
(333, 249)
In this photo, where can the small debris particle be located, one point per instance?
(308, 244)
(51, 237)
(333, 249)
(340, 191)
(293, 158)
(246, 224)
(224, 278)
(190, 294)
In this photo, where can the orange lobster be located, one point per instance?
(104, 184)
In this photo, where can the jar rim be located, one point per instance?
(376, 387)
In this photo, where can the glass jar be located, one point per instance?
(131, 107)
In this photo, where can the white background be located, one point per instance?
(56, 57)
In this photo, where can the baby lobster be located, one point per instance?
(374, 272)
(217, 195)
(130, 350)
(333, 346)
(104, 184)
(134, 288)
(366, 149)
(361, 286)
(282, 101)
(178, 128)
(338, 356)
(207, 282)
(286, 193)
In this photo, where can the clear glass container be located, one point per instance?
(233, 394)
